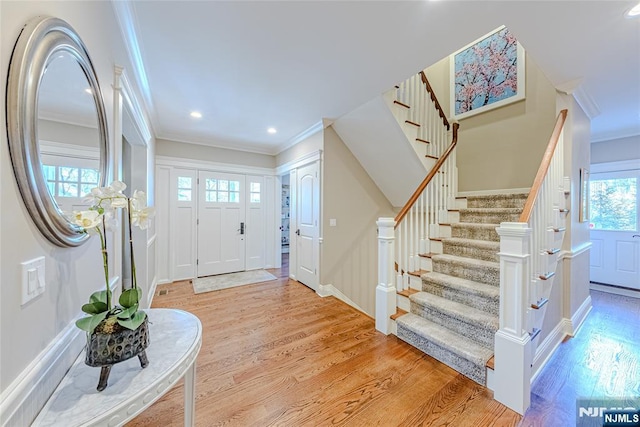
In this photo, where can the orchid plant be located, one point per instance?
(100, 217)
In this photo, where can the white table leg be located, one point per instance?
(190, 396)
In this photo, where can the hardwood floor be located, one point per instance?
(601, 361)
(276, 354)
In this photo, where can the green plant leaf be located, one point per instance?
(89, 323)
(129, 298)
(94, 307)
(128, 312)
(134, 322)
(100, 296)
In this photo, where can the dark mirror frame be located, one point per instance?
(39, 42)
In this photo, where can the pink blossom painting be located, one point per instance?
(487, 74)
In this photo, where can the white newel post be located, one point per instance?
(386, 289)
(513, 344)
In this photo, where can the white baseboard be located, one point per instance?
(330, 290)
(546, 349)
(615, 290)
(21, 402)
(152, 292)
(579, 316)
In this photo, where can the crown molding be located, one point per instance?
(582, 97)
(312, 130)
(125, 16)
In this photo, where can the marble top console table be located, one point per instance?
(175, 340)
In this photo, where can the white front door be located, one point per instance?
(615, 228)
(307, 215)
(221, 223)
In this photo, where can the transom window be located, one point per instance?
(185, 186)
(66, 181)
(222, 191)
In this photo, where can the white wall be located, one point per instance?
(616, 150)
(71, 274)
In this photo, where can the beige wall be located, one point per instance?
(349, 252)
(71, 274)
(311, 144)
(205, 153)
(616, 150)
(501, 148)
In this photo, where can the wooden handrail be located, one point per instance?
(544, 167)
(434, 170)
(434, 98)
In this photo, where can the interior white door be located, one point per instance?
(615, 228)
(221, 223)
(307, 231)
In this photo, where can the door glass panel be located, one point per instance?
(184, 188)
(613, 204)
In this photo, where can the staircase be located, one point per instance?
(455, 317)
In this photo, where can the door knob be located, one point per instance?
(298, 231)
(241, 228)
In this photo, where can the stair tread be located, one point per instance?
(399, 312)
(446, 338)
(475, 225)
(408, 292)
(508, 196)
(457, 310)
(492, 210)
(470, 286)
(468, 261)
(485, 244)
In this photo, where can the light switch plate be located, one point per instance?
(32, 279)
(332, 222)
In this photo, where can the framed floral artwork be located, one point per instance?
(487, 74)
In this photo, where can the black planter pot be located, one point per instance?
(105, 350)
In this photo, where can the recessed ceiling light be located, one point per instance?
(634, 12)
(196, 114)
(272, 130)
(89, 91)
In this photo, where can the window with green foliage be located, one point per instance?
(613, 204)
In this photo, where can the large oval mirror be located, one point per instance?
(56, 126)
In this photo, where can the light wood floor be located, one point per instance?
(276, 354)
(601, 361)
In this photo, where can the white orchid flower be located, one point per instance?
(117, 187)
(140, 217)
(138, 200)
(87, 219)
(110, 221)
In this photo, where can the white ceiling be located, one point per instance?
(248, 66)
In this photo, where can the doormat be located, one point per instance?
(231, 280)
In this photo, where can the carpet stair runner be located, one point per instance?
(455, 317)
